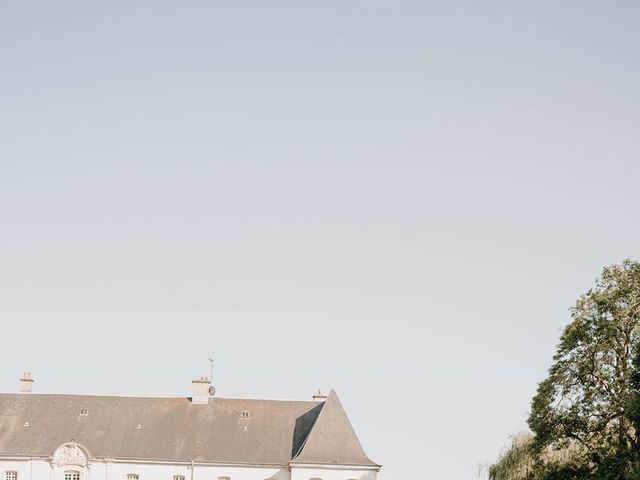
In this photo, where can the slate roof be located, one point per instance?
(332, 439)
(174, 429)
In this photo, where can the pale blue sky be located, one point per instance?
(399, 200)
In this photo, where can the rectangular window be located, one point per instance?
(178, 477)
(11, 476)
(71, 475)
(132, 476)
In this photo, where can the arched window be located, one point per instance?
(71, 475)
(12, 475)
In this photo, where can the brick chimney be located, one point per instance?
(26, 382)
(201, 390)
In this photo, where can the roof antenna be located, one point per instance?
(212, 390)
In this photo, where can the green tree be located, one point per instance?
(589, 400)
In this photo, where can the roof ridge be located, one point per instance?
(147, 397)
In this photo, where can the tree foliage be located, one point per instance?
(589, 404)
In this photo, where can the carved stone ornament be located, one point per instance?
(69, 454)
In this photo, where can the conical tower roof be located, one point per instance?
(332, 439)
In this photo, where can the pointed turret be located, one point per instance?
(332, 439)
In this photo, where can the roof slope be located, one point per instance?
(169, 428)
(332, 439)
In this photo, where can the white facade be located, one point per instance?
(87, 468)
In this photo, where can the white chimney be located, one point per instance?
(201, 389)
(26, 382)
(319, 397)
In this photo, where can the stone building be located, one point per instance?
(202, 437)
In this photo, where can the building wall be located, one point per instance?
(42, 469)
(327, 473)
